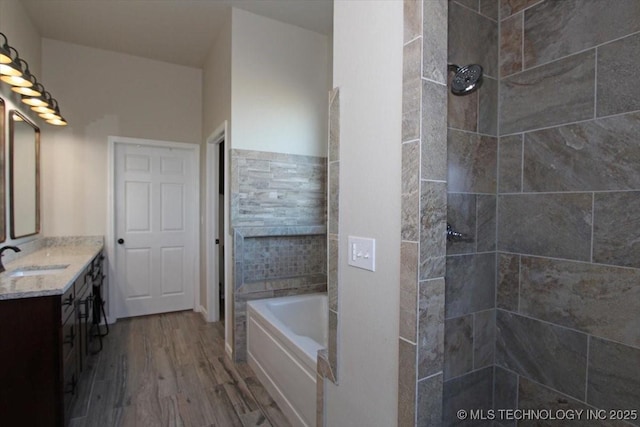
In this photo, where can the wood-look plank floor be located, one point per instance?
(171, 370)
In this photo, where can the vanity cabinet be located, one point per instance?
(44, 348)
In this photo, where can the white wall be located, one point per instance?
(279, 87)
(216, 108)
(368, 70)
(22, 34)
(104, 93)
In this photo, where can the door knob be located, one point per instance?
(120, 241)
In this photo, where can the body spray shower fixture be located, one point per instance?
(466, 80)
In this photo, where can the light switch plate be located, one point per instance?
(362, 253)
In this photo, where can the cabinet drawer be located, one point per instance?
(67, 302)
(69, 337)
(70, 382)
(82, 284)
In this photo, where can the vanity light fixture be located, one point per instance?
(41, 100)
(15, 71)
(54, 118)
(35, 90)
(5, 53)
(23, 80)
(11, 67)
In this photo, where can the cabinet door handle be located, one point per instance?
(71, 386)
(70, 339)
(69, 300)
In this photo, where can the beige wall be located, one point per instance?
(216, 108)
(368, 71)
(104, 93)
(279, 87)
(22, 34)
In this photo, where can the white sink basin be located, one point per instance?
(38, 270)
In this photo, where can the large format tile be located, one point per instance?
(411, 90)
(554, 225)
(536, 397)
(616, 228)
(473, 39)
(461, 215)
(486, 218)
(509, 7)
(484, 338)
(429, 401)
(554, 29)
(510, 164)
(614, 377)
(505, 394)
(511, 31)
(472, 391)
(551, 355)
(433, 228)
(471, 284)
(434, 131)
(412, 19)
(458, 346)
(556, 93)
(617, 68)
(334, 198)
(490, 8)
(334, 125)
(488, 107)
(472, 161)
(462, 111)
(508, 287)
(601, 300)
(408, 290)
(406, 383)
(434, 26)
(410, 190)
(430, 327)
(596, 155)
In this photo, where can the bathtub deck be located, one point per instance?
(170, 369)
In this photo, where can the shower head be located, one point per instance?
(466, 80)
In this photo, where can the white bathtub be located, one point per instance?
(283, 339)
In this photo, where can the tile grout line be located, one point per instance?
(576, 122)
(599, 264)
(595, 85)
(593, 222)
(586, 374)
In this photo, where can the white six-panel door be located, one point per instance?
(155, 228)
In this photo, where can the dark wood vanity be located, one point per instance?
(46, 346)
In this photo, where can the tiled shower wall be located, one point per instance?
(568, 295)
(472, 149)
(278, 214)
(424, 212)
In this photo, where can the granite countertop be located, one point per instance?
(77, 254)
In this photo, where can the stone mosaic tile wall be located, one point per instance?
(278, 214)
(277, 189)
(568, 197)
(273, 262)
(424, 211)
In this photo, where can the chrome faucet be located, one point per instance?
(4, 248)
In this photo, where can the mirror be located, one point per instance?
(24, 173)
(3, 234)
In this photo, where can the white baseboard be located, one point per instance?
(204, 313)
(229, 350)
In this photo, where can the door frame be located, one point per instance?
(110, 236)
(212, 210)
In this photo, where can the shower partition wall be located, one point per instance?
(554, 321)
(542, 301)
